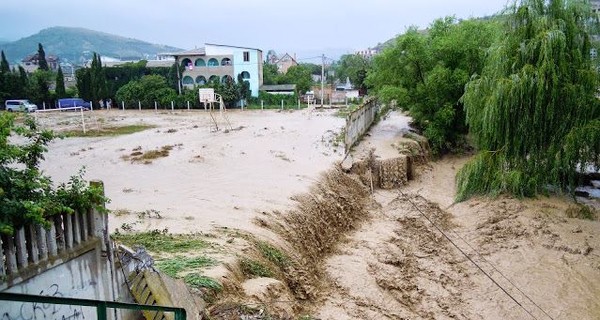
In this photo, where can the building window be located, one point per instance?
(186, 62)
(200, 62)
(226, 78)
(213, 62)
(187, 80)
(213, 79)
(200, 80)
(245, 75)
(246, 56)
(226, 62)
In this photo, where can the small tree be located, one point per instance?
(42, 63)
(4, 66)
(60, 84)
(26, 195)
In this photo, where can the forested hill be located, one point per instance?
(77, 44)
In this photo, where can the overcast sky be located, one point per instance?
(286, 26)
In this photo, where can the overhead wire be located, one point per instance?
(477, 265)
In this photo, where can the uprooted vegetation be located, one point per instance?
(138, 155)
(180, 256)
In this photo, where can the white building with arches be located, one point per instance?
(216, 62)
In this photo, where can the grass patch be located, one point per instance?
(273, 254)
(345, 111)
(172, 267)
(199, 281)
(137, 155)
(161, 241)
(109, 131)
(582, 212)
(252, 268)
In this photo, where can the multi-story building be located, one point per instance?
(217, 62)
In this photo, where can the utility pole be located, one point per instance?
(322, 78)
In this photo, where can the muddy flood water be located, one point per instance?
(209, 178)
(393, 263)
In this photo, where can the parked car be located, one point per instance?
(73, 102)
(20, 105)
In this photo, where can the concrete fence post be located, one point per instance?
(139, 105)
(155, 107)
(188, 105)
(68, 230)
(99, 226)
(123, 105)
(282, 104)
(42, 242)
(10, 253)
(21, 248)
(172, 105)
(31, 237)
(51, 239)
(262, 104)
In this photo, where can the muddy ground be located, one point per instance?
(396, 264)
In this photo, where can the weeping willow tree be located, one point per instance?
(533, 112)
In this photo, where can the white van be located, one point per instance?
(20, 105)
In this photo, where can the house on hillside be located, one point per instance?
(367, 53)
(31, 62)
(285, 62)
(216, 62)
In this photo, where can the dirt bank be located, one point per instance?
(399, 266)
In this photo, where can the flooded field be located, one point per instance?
(209, 178)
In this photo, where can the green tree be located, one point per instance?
(98, 84)
(243, 88)
(270, 74)
(229, 91)
(60, 84)
(42, 63)
(84, 84)
(299, 75)
(426, 73)
(26, 195)
(533, 111)
(38, 89)
(147, 90)
(4, 66)
(354, 67)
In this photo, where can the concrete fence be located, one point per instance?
(359, 121)
(34, 246)
(72, 258)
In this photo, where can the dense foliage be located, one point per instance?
(26, 195)
(147, 90)
(119, 76)
(533, 111)
(425, 73)
(300, 75)
(91, 82)
(355, 68)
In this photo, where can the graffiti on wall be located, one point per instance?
(36, 310)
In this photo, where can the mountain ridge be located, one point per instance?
(76, 45)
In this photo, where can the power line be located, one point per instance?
(477, 265)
